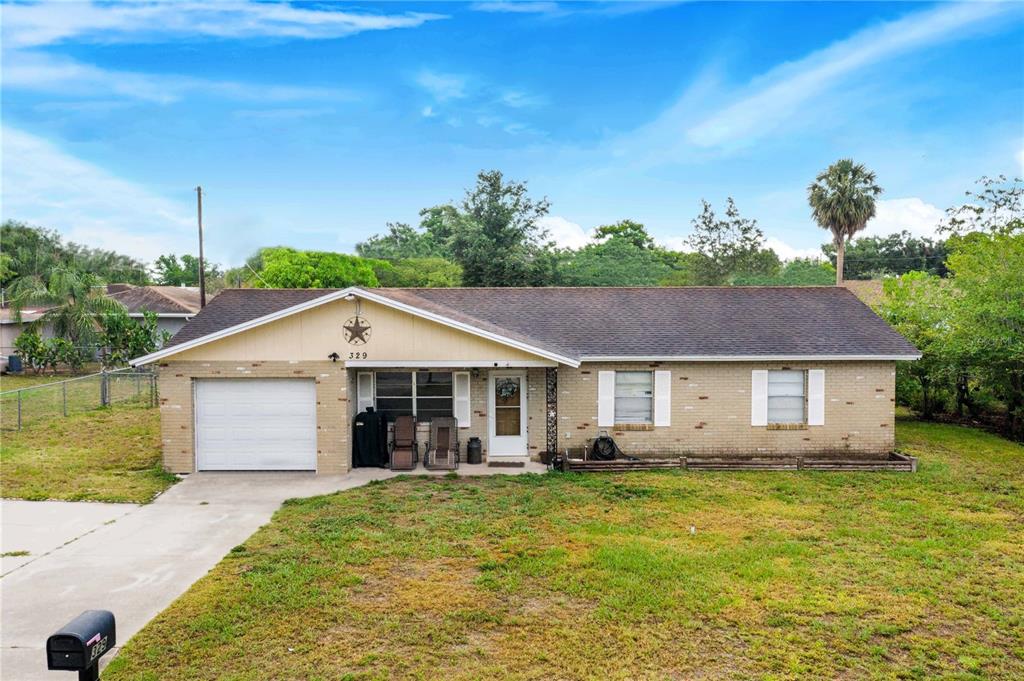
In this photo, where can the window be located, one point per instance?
(423, 394)
(634, 391)
(786, 397)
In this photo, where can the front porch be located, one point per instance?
(504, 405)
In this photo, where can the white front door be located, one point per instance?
(507, 413)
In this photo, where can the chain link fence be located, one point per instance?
(36, 404)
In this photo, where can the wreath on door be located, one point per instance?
(506, 388)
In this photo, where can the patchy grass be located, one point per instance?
(10, 382)
(14, 554)
(110, 454)
(786, 575)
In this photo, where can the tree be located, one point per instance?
(726, 245)
(494, 234)
(998, 207)
(796, 272)
(31, 253)
(917, 306)
(125, 338)
(107, 265)
(283, 267)
(986, 326)
(170, 271)
(419, 273)
(875, 257)
(401, 242)
(842, 200)
(78, 302)
(626, 230)
(31, 348)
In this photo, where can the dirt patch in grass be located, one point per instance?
(784, 575)
(110, 454)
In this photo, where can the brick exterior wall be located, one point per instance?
(478, 401)
(177, 420)
(711, 411)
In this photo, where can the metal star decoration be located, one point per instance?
(357, 331)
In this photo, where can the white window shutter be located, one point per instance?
(816, 397)
(662, 398)
(364, 391)
(605, 399)
(759, 397)
(462, 410)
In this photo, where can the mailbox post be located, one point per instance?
(79, 644)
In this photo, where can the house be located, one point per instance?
(12, 326)
(173, 305)
(265, 379)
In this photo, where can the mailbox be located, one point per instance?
(80, 643)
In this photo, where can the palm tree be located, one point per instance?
(79, 303)
(842, 200)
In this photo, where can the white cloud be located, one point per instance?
(787, 252)
(517, 99)
(674, 243)
(910, 214)
(442, 86)
(38, 71)
(517, 7)
(779, 94)
(427, 112)
(563, 232)
(44, 185)
(46, 23)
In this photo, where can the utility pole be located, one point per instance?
(202, 268)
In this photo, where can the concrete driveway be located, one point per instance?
(132, 560)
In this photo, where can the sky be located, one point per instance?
(314, 124)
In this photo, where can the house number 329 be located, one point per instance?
(357, 355)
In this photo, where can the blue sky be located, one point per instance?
(314, 124)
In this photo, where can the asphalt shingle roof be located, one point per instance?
(621, 322)
(159, 299)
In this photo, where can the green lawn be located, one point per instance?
(785, 575)
(110, 454)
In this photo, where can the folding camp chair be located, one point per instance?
(402, 448)
(443, 445)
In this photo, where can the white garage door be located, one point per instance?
(255, 424)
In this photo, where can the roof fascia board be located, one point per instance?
(449, 364)
(338, 295)
(244, 326)
(745, 358)
(468, 328)
(165, 315)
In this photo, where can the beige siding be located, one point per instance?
(711, 411)
(314, 334)
(177, 420)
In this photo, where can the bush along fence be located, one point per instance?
(36, 404)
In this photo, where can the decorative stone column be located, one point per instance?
(551, 404)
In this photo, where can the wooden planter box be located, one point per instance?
(895, 462)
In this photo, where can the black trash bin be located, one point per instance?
(474, 451)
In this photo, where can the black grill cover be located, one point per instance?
(370, 440)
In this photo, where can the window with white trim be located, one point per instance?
(422, 394)
(787, 397)
(634, 397)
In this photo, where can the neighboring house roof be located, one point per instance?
(591, 324)
(27, 315)
(174, 301)
(868, 290)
